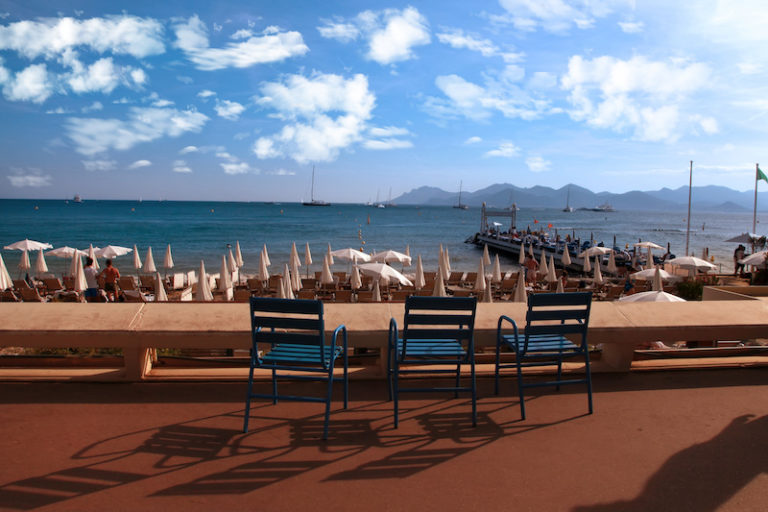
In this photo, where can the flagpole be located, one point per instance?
(754, 212)
(688, 228)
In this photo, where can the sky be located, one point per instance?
(239, 101)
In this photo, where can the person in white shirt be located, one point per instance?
(92, 292)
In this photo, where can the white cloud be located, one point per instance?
(313, 134)
(93, 107)
(235, 168)
(188, 149)
(281, 172)
(138, 164)
(272, 46)
(229, 109)
(243, 33)
(162, 103)
(58, 110)
(537, 164)
(390, 34)
(188, 80)
(122, 101)
(205, 93)
(556, 16)
(505, 149)
(92, 136)
(31, 179)
(637, 94)
(31, 84)
(388, 131)
(99, 165)
(123, 35)
(385, 144)
(473, 140)
(632, 27)
(101, 76)
(181, 166)
(458, 39)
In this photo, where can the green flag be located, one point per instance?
(761, 175)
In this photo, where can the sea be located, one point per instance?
(199, 230)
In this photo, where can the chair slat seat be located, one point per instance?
(542, 343)
(289, 353)
(431, 348)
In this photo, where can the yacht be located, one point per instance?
(313, 201)
(461, 206)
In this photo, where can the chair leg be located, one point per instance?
(328, 403)
(518, 362)
(474, 391)
(248, 400)
(396, 388)
(496, 372)
(589, 380)
(559, 371)
(389, 372)
(458, 380)
(346, 380)
(274, 386)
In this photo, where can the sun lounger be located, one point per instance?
(133, 296)
(127, 283)
(8, 296)
(30, 295)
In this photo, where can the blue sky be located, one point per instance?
(238, 100)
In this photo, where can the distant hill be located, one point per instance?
(713, 198)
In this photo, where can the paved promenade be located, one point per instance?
(675, 440)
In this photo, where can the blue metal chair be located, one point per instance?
(295, 332)
(551, 319)
(436, 331)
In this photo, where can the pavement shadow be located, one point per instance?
(704, 476)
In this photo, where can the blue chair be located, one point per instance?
(436, 331)
(295, 332)
(551, 319)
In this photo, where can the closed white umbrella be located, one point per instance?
(160, 295)
(263, 272)
(281, 288)
(325, 276)
(520, 294)
(384, 272)
(266, 255)
(5, 278)
(480, 279)
(136, 259)
(168, 260)
(307, 257)
(521, 254)
(354, 280)
(447, 262)
(73, 265)
(295, 275)
(496, 276)
(486, 256)
(27, 245)
(487, 293)
(203, 292)
(149, 262)
(439, 289)
(530, 250)
(560, 288)
(657, 286)
(24, 263)
(80, 284)
(391, 257)
(651, 297)
(112, 251)
(351, 255)
(407, 253)
(225, 278)
(92, 255)
(543, 267)
(40, 266)
(565, 259)
(587, 265)
(294, 256)
(443, 267)
(376, 292)
(231, 263)
(238, 255)
(419, 280)
(598, 280)
(612, 268)
(330, 254)
(551, 274)
(288, 282)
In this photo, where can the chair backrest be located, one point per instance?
(558, 314)
(439, 318)
(30, 295)
(127, 282)
(289, 321)
(133, 296)
(8, 296)
(52, 284)
(21, 284)
(241, 295)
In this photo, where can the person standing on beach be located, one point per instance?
(738, 254)
(92, 292)
(531, 266)
(111, 275)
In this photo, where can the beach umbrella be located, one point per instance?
(168, 260)
(647, 245)
(24, 263)
(530, 250)
(238, 255)
(407, 253)
(354, 280)
(112, 251)
(487, 293)
(307, 257)
(295, 275)
(744, 238)
(325, 276)
(203, 292)
(136, 259)
(653, 296)
(657, 286)
(376, 292)
(330, 254)
(225, 278)
(496, 269)
(447, 263)
(80, 284)
(160, 295)
(149, 262)
(756, 259)
(594, 250)
(439, 289)
(649, 273)
(294, 255)
(692, 263)
(390, 256)
(486, 256)
(231, 263)
(560, 288)
(520, 294)
(40, 266)
(587, 265)
(521, 254)
(281, 288)
(288, 282)
(27, 245)
(66, 252)
(263, 272)
(73, 264)
(543, 268)
(5, 278)
(266, 255)
(92, 255)
(480, 279)
(351, 255)
(565, 259)
(419, 280)
(551, 274)
(612, 268)
(598, 278)
(384, 272)
(443, 264)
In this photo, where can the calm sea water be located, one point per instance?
(200, 230)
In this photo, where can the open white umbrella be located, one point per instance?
(354, 280)
(649, 273)
(419, 280)
(112, 251)
(486, 256)
(92, 255)
(439, 289)
(27, 245)
(263, 272)
(551, 274)
(160, 295)
(612, 268)
(149, 263)
(657, 285)
(66, 252)
(136, 259)
(407, 253)
(598, 278)
(325, 275)
(480, 279)
(24, 263)
(390, 256)
(351, 255)
(594, 250)
(5, 278)
(384, 272)
(565, 259)
(225, 278)
(238, 255)
(496, 276)
(647, 245)
(757, 259)
(203, 292)
(651, 297)
(307, 257)
(40, 266)
(520, 294)
(692, 263)
(521, 254)
(168, 260)
(266, 255)
(376, 292)
(329, 254)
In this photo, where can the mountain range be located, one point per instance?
(711, 198)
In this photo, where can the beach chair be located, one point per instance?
(306, 294)
(30, 295)
(20, 284)
(241, 295)
(455, 278)
(52, 285)
(342, 296)
(8, 296)
(127, 283)
(550, 318)
(400, 295)
(147, 282)
(436, 331)
(308, 283)
(295, 333)
(133, 296)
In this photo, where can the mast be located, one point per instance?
(754, 212)
(688, 228)
(312, 193)
(461, 183)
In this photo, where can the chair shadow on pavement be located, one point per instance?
(703, 477)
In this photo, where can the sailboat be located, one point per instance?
(460, 206)
(568, 208)
(313, 201)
